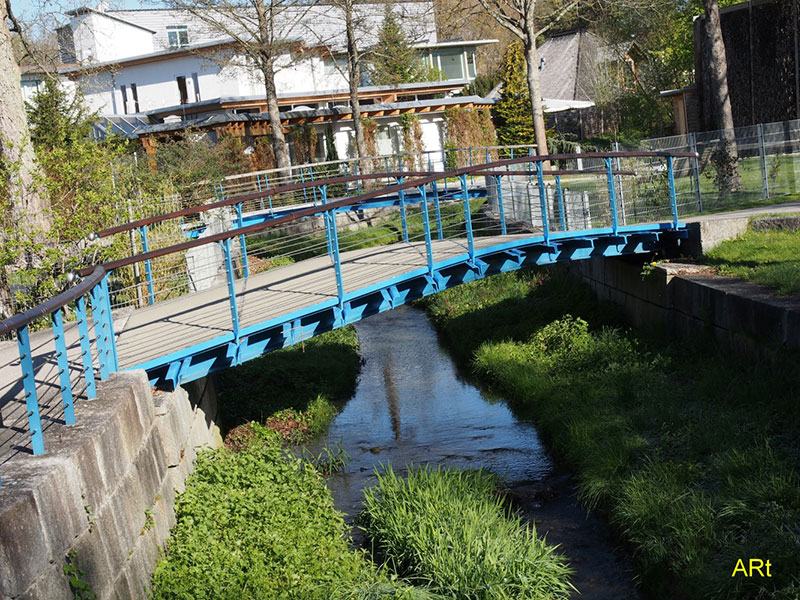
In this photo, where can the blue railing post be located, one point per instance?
(63, 366)
(258, 185)
(100, 331)
(303, 180)
(403, 215)
(29, 384)
(467, 217)
(426, 225)
(543, 202)
(148, 267)
(324, 190)
(500, 207)
(86, 348)
(226, 248)
(560, 197)
(437, 211)
(269, 196)
(337, 263)
(672, 199)
(242, 241)
(112, 343)
(612, 195)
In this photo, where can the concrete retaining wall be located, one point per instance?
(683, 300)
(104, 493)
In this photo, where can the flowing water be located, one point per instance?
(412, 406)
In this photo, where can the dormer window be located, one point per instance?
(177, 36)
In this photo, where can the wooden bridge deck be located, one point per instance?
(176, 324)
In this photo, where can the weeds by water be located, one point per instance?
(691, 452)
(448, 528)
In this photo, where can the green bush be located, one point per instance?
(448, 527)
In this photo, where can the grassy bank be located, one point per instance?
(299, 385)
(449, 529)
(770, 258)
(689, 452)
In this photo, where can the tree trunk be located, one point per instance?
(278, 139)
(728, 156)
(354, 76)
(535, 91)
(30, 209)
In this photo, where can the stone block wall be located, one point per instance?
(102, 497)
(682, 300)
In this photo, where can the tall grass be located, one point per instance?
(691, 452)
(448, 528)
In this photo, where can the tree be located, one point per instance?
(727, 156)
(394, 59)
(353, 72)
(261, 32)
(520, 18)
(27, 203)
(512, 112)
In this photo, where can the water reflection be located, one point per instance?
(411, 406)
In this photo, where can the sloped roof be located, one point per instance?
(571, 65)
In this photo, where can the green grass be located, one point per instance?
(308, 379)
(690, 452)
(770, 258)
(449, 529)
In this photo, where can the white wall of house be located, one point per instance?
(99, 38)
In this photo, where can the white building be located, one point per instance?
(142, 67)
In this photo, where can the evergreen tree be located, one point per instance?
(394, 60)
(56, 119)
(512, 113)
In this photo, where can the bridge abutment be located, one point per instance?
(102, 498)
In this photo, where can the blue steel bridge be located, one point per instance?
(219, 284)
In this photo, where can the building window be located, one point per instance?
(124, 99)
(183, 93)
(178, 36)
(196, 82)
(471, 64)
(135, 95)
(450, 64)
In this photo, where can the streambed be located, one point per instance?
(412, 406)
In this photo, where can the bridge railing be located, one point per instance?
(546, 198)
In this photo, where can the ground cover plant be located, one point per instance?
(448, 528)
(260, 523)
(770, 258)
(690, 452)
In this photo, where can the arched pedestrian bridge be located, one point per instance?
(221, 283)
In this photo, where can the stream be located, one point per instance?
(411, 406)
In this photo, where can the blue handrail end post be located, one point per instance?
(226, 248)
(500, 207)
(99, 318)
(148, 267)
(403, 214)
(543, 202)
(426, 224)
(467, 217)
(242, 241)
(560, 198)
(612, 196)
(57, 322)
(112, 342)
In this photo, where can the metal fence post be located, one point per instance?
(672, 199)
(337, 263)
(696, 171)
(29, 384)
(63, 366)
(762, 153)
(86, 348)
(499, 185)
(542, 202)
(467, 217)
(426, 224)
(242, 240)
(258, 186)
(612, 195)
(226, 248)
(148, 267)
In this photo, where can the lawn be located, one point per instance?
(770, 258)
